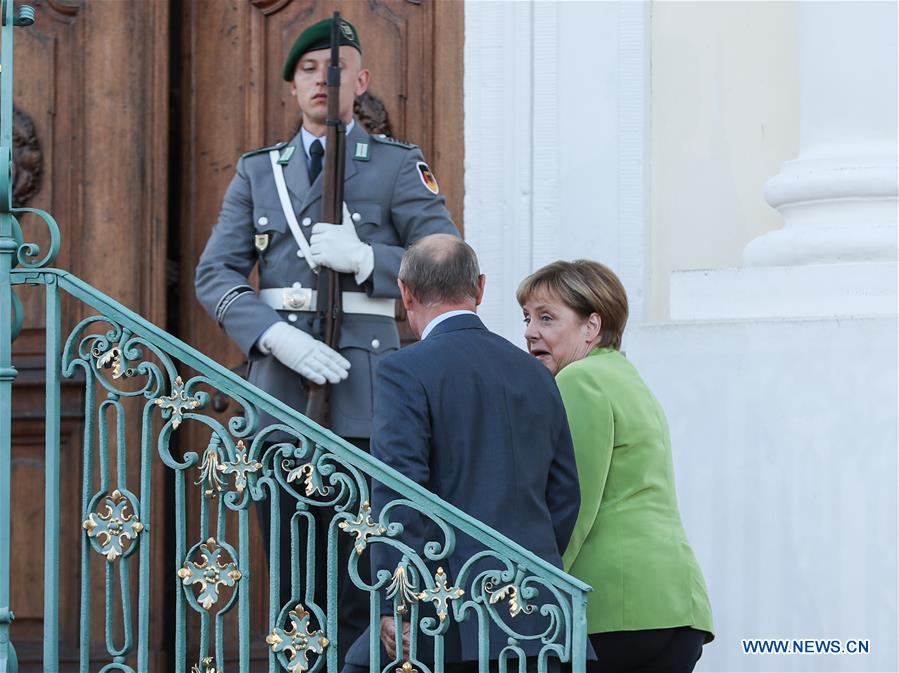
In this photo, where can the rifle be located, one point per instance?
(329, 310)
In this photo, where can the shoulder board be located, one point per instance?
(276, 146)
(381, 138)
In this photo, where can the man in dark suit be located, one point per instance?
(478, 422)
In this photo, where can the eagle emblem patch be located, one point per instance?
(427, 178)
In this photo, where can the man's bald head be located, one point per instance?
(441, 269)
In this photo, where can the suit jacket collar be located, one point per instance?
(457, 322)
(296, 174)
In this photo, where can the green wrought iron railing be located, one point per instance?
(130, 366)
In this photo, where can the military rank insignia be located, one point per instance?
(286, 154)
(361, 153)
(261, 242)
(427, 178)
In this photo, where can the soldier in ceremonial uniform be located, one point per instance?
(270, 218)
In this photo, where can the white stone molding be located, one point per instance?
(634, 250)
(778, 292)
(555, 143)
(546, 176)
(499, 152)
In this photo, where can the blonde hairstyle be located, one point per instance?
(585, 287)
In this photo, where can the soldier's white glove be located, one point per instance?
(337, 246)
(305, 355)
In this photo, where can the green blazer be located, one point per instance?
(628, 542)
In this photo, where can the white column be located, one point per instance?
(839, 197)
(836, 254)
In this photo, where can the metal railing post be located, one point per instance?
(8, 248)
(10, 317)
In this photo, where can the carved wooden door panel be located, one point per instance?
(234, 100)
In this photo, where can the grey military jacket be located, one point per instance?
(387, 190)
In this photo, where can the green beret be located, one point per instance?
(318, 36)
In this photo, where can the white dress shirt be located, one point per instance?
(308, 139)
(440, 318)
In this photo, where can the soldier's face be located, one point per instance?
(310, 84)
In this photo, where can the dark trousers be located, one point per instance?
(648, 651)
(352, 602)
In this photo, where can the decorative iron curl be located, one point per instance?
(326, 480)
(433, 550)
(482, 597)
(98, 353)
(28, 251)
(190, 458)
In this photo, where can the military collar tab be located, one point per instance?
(361, 152)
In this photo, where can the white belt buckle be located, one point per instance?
(297, 299)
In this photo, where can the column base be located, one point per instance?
(813, 290)
(837, 210)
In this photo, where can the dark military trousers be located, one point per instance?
(352, 602)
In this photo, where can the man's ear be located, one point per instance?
(406, 294)
(362, 82)
(482, 281)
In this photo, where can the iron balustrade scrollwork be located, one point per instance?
(140, 382)
(298, 467)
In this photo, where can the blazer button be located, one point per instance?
(357, 217)
(292, 317)
(299, 253)
(307, 221)
(263, 220)
(375, 344)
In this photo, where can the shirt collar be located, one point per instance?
(440, 318)
(308, 138)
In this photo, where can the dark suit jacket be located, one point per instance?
(480, 423)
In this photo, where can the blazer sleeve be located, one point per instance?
(593, 433)
(401, 439)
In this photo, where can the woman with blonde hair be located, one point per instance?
(649, 610)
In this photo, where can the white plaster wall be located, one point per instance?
(555, 133)
(784, 436)
(724, 116)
